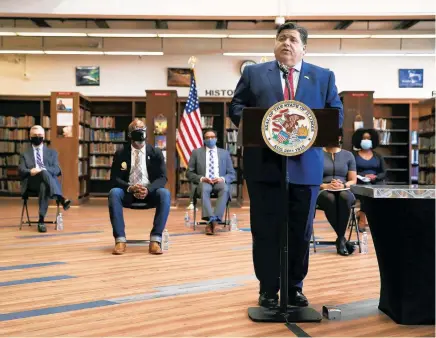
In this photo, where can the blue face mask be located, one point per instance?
(210, 142)
(366, 144)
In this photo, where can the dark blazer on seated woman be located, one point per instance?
(335, 198)
(369, 163)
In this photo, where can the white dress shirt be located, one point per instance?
(41, 151)
(142, 154)
(295, 76)
(216, 168)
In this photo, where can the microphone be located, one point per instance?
(285, 70)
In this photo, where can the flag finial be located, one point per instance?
(192, 61)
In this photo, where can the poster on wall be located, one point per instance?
(411, 78)
(179, 77)
(88, 76)
(64, 117)
(64, 104)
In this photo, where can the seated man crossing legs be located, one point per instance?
(39, 169)
(211, 168)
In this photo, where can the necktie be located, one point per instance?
(211, 165)
(38, 158)
(137, 170)
(291, 84)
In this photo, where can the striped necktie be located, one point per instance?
(137, 170)
(38, 158)
(211, 165)
(291, 84)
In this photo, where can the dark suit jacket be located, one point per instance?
(197, 166)
(260, 86)
(156, 168)
(27, 162)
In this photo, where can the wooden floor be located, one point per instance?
(69, 284)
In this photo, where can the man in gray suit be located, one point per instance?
(211, 168)
(39, 168)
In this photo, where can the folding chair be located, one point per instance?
(352, 223)
(139, 206)
(29, 194)
(213, 195)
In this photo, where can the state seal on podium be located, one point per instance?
(289, 128)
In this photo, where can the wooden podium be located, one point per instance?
(70, 117)
(161, 110)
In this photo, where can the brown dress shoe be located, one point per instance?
(119, 249)
(210, 228)
(154, 248)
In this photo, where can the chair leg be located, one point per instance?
(22, 214)
(57, 214)
(195, 214)
(354, 224)
(313, 240)
(27, 213)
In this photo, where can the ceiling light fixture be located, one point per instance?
(122, 35)
(21, 52)
(134, 53)
(72, 52)
(206, 36)
(336, 54)
(51, 34)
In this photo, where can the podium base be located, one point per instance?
(292, 315)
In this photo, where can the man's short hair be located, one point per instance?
(35, 128)
(209, 130)
(134, 123)
(293, 26)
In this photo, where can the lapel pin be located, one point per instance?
(148, 157)
(305, 76)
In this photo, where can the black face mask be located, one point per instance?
(137, 135)
(36, 140)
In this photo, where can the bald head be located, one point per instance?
(136, 124)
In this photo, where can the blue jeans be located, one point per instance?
(118, 199)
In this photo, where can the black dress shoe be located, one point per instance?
(297, 298)
(350, 247)
(341, 246)
(41, 227)
(268, 300)
(66, 204)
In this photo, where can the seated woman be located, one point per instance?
(370, 165)
(335, 197)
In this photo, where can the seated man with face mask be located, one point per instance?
(211, 168)
(38, 169)
(138, 174)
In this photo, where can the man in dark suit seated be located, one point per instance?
(39, 169)
(211, 168)
(138, 174)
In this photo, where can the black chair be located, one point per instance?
(138, 206)
(213, 195)
(352, 224)
(30, 194)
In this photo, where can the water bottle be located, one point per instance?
(364, 243)
(234, 223)
(165, 240)
(187, 220)
(59, 222)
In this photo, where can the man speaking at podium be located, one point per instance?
(263, 85)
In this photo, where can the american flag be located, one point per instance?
(189, 135)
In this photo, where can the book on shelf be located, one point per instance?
(414, 156)
(46, 121)
(103, 161)
(427, 125)
(230, 124)
(10, 186)
(100, 174)
(104, 148)
(426, 160)
(426, 177)
(84, 116)
(232, 136)
(107, 122)
(206, 122)
(108, 136)
(427, 143)
(18, 122)
(14, 134)
(379, 123)
(414, 137)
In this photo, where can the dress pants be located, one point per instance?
(337, 208)
(265, 216)
(47, 187)
(119, 199)
(222, 190)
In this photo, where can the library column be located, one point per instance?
(161, 110)
(70, 135)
